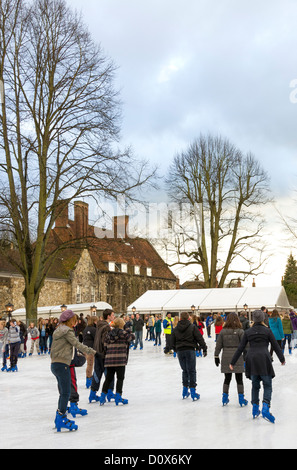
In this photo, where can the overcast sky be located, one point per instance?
(218, 66)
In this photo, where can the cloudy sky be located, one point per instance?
(220, 66)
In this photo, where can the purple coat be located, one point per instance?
(293, 320)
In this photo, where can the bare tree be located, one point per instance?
(223, 190)
(60, 129)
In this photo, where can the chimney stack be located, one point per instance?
(81, 219)
(121, 226)
(61, 212)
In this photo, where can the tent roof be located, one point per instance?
(206, 300)
(56, 309)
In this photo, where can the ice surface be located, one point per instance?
(156, 416)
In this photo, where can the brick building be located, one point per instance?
(112, 268)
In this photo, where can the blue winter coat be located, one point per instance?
(276, 327)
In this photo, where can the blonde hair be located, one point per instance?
(119, 323)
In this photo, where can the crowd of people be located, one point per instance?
(104, 343)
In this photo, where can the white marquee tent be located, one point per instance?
(211, 300)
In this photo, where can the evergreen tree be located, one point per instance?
(290, 280)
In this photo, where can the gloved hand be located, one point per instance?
(205, 353)
(217, 361)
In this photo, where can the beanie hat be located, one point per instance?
(66, 315)
(258, 316)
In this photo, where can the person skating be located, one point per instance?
(186, 337)
(227, 342)
(258, 365)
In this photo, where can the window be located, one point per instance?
(149, 272)
(124, 268)
(111, 266)
(137, 270)
(78, 294)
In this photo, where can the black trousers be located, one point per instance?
(239, 381)
(120, 373)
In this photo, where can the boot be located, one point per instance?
(61, 421)
(110, 395)
(119, 399)
(256, 411)
(102, 398)
(225, 399)
(75, 410)
(88, 382)
(93, 397)
(242, 400)
(186, 392)
(266, 414)
(195, 396)
(4, 368)
(14, 368)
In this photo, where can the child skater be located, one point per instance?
(258, 365)
(14, 340)
(34, 333)
(64, 340)
(3, 343)
(116, 347)
(228, 341)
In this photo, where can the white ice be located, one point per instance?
(156, 417)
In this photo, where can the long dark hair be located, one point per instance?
(232, 321)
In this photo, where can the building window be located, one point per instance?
(93, 294)
(149, 272)
(137, 270)
(78, 295)
(111, 266)
(124, 268)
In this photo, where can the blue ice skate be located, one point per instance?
(61, 422)
(266, 413)
(225, 399)
(75, 410)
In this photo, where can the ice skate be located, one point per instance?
(195, 396)
(256, 411)
(102, 398)
(74, 410)
(110, 395)
(225, 399)
(88, 382)
(93, 397)
(186, 392)
(119, 399)
(266, 413)
(61, 422)
(242, 400)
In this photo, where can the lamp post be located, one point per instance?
(63, 308)
(245, 309)
(9, 310)
(93, 309)
(193, 308)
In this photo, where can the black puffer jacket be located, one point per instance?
(258, 358)
(187, 336)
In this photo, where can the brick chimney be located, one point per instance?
(61, 211)
(81, 219)
(121, 226)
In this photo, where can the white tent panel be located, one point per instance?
(270, 297)
(185, 298)
(152, 301)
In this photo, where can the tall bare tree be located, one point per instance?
(224, 191)
(59, 129)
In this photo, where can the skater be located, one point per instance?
(219, 323)
(158, 330)
(208, 323)
(185, 339)
(78, 361)
(34, 333)
(228, 342)
(43, 335)
(167, 329)
(293, 318)
(288, 330)
(3, 343)
(14, 341)
(276, 326)
(258, 366)
(102, 328)
(88, 339)
(64, 340)
(116, 347)
(138, 331)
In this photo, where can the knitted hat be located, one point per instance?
(258, 316)
(66, 315)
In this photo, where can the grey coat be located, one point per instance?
(228, 342)
(64, 342)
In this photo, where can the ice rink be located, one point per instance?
(156, 416)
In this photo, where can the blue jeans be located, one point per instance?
(138, 337)
(187, 361)
(256, 385)
(63, 376)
